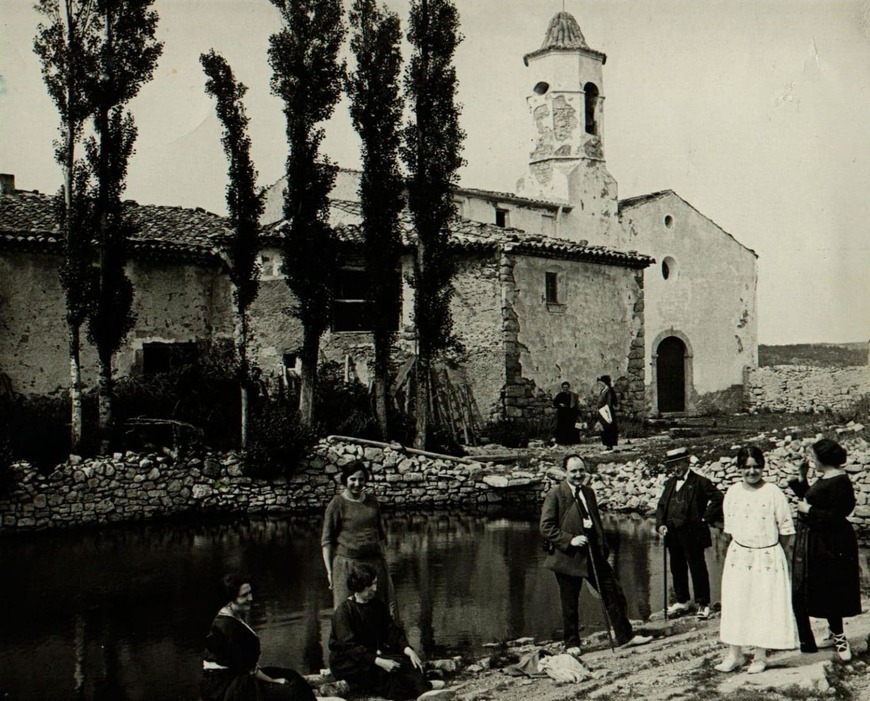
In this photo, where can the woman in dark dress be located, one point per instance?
(566, 416)
(353, 532)
(368, 649)
(825, 572)
(232, 652)
(608, 399)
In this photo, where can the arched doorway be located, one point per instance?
(671, 375)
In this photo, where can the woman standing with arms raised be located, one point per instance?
(825, 575)
(353, 532)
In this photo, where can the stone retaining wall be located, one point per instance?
(805, 389)
(129, 487)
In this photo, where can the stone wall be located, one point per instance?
(805, 389)
(131, 487)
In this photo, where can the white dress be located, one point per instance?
(756, 587)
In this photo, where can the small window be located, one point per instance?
(551, 288)
(351, 305)
(164, 357)
(541, 88)
(669, 268)
(666, 270)
(669, 221)
(501, 217)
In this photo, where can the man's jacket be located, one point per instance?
(703, 507)
(561, 521)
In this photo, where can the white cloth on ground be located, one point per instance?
(564, 669)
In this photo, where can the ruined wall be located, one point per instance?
(805, 389)
(173, 302)
(709, 295)
(595, 328)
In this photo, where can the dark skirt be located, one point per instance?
(399, 685)
(226, 685)
(825, 571)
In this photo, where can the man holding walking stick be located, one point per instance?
(577, 550)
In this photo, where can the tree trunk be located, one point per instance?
(421, 366)
(106, 413)
(75, 389)
(242, 350)
(308, 378)
(380, 390)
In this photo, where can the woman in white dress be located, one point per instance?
(756, 587)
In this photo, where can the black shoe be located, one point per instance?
(809, 648)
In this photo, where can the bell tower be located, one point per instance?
(566, 107)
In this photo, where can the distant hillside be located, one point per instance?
(836, 355)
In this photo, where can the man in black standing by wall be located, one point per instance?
(688, 506)
(570, 522)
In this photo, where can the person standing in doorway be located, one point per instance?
(570, 522)
(689, 505)
(608, 403)
(566, 416)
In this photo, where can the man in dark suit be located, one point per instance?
(689, 505)
(571, 523)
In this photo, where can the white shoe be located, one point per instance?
(703, 613)
(638, 640)
(437, 694)
(678, 608)
(844, 651)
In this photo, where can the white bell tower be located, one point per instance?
(566, 160)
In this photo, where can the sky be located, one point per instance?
(756, 113)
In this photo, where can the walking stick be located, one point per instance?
(665, 577)
(601, 593)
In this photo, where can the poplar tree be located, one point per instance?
(67, 46)
(376, 110)
(128, 54)
(431, 149)
(244, 205)
(307, 75)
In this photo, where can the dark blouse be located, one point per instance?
(230, 643)
(358, 632)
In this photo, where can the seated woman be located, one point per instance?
(232, 651)
(368, 649)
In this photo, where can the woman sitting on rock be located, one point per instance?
(369, 650)
(756, 592)
(232, 651)
(825, 576)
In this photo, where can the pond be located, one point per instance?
(119, 614)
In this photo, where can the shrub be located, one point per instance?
(277, 441)
(343, 408)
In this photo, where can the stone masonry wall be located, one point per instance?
(805, 389)
(130, 487)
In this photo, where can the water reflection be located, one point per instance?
(119, 614)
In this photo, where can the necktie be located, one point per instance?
(583, 512)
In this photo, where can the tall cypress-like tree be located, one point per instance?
(128, 56)
(244, 204)
(376, 109)
(431, 149)
(307, 76)
(67, 46)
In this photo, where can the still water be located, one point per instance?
(119, 614)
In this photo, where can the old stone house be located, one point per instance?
(550, 285)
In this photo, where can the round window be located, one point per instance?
(669, 221)
(669, 268)
(541, 88)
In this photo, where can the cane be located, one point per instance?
(601, 598)
(665, 577)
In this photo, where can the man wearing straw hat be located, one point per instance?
(688, 506)
(577, 550)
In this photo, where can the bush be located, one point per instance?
(343, 408)
(277, 441)
(516, 433)
(38, 427)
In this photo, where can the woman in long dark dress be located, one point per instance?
(825, 571)
(232, 652)
(368, 649)
(353, 532)
(566, 416)
(607, 405)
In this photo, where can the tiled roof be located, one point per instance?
(511, 197)
(478, 236)
(27, 220)
(563, 34)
